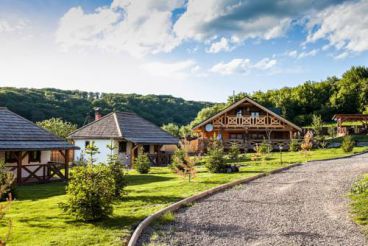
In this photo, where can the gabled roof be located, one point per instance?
(18, 133)
(247, 99)
(124, 125)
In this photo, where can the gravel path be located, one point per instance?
(305, 205)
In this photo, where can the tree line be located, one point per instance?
(77, 107)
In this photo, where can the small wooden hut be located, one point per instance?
(32, 153)
(344, 130)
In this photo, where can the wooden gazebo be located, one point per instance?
(32, 153)
(341, 118)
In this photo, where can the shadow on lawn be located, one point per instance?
(39, 191)
(152, 199)
(145, 179)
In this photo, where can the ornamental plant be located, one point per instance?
(294, 145)
(347, 144)
(234, 152)
(215, 161)
(142, 163)
(183, 165)
(90, 193)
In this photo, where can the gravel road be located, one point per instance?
(305, 205)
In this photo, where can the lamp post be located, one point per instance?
(280, 148)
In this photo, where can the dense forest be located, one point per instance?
(348, 94)
(77, 106)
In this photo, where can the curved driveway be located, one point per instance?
(305, 205)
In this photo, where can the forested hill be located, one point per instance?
(346, 95)
(77, 106)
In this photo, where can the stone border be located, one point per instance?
(175, 206)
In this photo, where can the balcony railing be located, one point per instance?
(241, 121)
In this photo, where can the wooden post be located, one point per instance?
(19, 167)
(66, 159)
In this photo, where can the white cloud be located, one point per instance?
(177, 70)
(342, 55)
(345, 26)
(135, 27)
(242, 66)
(11, 26)
(303, 54)
(222, 45)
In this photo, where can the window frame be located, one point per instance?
(34, 156)
(12, 158)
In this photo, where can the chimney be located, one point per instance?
(98, 114)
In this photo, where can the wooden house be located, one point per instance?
(128, 132)
(246, 123)
(31, 152)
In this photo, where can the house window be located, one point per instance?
(34, 156)
(239, 113)
(86, 144)
(10, 157)
(122, 147)
(254, 114)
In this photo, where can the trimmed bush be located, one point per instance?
(347, 144)
(142, 163)
(90, 193)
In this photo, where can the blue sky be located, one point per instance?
(195, 49)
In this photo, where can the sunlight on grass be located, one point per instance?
(37, 219)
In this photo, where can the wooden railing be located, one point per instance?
(251, 143)
(41, 173)
(241, 121)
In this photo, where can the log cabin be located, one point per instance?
(246, 123)
(32, 153)
(127, 131)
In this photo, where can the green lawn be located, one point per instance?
(359, 204)
(37, 219)
(356, 138)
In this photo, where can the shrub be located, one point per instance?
(347, 144)
(294, 145)
(234, 152)
(307, 143)
(215, 161)
(361, 186)
(89, 192)
(183, 165)
(142, 163)
(7, 178)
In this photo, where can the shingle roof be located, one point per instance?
(17, 133)
(125, 125)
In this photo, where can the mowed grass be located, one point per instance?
(37, 219)
(359, 206)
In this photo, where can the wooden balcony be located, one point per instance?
(266, 121)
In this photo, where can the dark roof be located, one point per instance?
(125, 125)
(18, 133)
(350, 117)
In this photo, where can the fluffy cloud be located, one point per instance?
(177, 70)
(345, 26)
(149, 27)
(136, 27)
(11, 26)
(242, 66)
(299, 55)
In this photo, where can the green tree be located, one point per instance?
(58, 127)
(117, 170)
(215, 161)
(183, 165)
(91, 150)
(172, 128)
(142, 163)
(347, 144)
(234, 152)
(317, 124)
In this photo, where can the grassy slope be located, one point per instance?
(37, 220)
